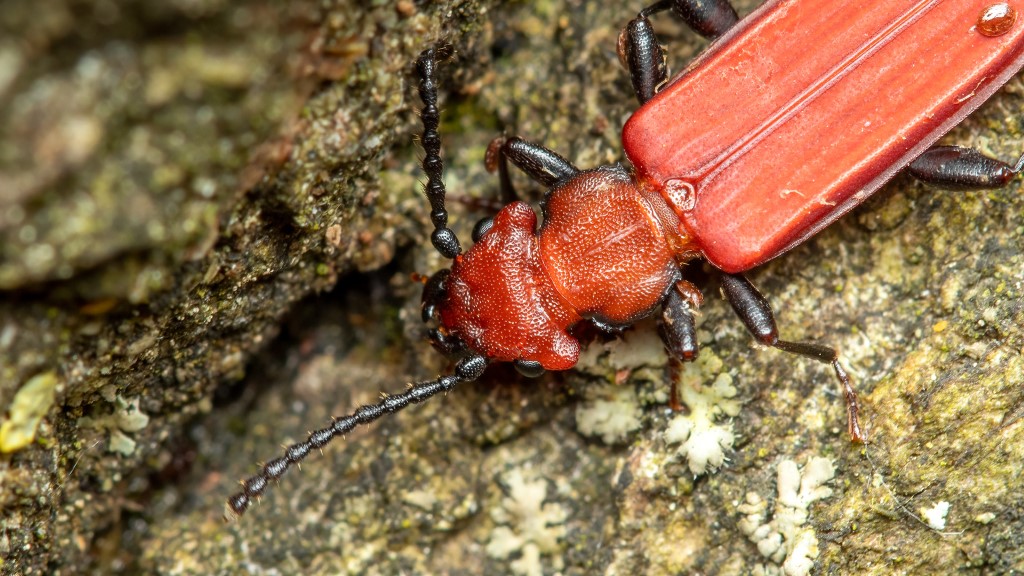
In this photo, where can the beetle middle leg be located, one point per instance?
(640, 52)
(959, 168)
(755, 312)
(678, 329)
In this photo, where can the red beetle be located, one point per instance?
(754, 147)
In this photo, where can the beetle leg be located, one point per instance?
(496, 160)
(959, 168)
(539, 163)
(638, 46)
(677, 324)
(709, 18)
(756, 314)
(443, 238)
(641, 54)
(678, 330)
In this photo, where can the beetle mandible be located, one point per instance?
(754, 147)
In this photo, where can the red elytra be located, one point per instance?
(805, 108)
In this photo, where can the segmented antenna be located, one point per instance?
(468, 369)
(443, 238)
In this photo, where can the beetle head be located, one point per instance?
(497, 300)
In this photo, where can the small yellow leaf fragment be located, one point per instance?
(30, 404)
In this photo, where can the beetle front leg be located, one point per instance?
(958, 168)
(638, 46)
(539, 163)
(756, 314)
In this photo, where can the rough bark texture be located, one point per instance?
(179, 179)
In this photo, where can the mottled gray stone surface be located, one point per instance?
(182, 179)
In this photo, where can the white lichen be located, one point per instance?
(704, 441)
(127, 418)
(936, 515)
(637, 350)
(527, 525)
(610, 412)
(786, 540)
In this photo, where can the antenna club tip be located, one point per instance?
(235, 507)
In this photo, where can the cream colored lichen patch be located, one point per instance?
(527, 525)
(786, 539)
(30, 404)
(703, 440)
(638, 349)
(936, 515)
(610, 412)
(127, 418)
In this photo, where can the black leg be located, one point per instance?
(756, 314)
(641, 54)
(539, 163)
(678, 330)
(959, 168)
(638, 46)
(709, 18)
(443, 238)
(536, 161)
(677, 325)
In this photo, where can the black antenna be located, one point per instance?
(443, 238)
(468, 369)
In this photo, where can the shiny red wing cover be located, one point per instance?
(806, 108)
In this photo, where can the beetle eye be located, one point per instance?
(481, 228)
(529, 368)
(434, 293)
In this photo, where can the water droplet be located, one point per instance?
(997, 19)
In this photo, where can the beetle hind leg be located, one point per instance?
(959, 168)
(755, 312)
